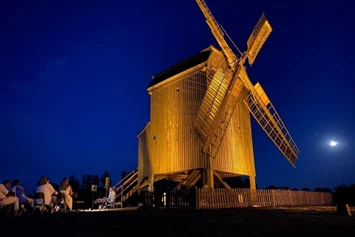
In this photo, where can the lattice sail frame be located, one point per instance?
(270, 121)
(257, 38)
(217, 107)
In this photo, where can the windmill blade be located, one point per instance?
(217, 33)
(217, 108)
(266, 115)
(258, 36)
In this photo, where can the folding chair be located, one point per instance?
(6, 211)
(39, 204)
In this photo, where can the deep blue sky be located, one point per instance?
(73, 78)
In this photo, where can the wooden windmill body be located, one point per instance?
(200, 116)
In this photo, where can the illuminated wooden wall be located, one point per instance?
(167, 144)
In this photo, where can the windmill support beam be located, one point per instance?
(252, 189)
(252, 182)
(151, 184)
(210, 180)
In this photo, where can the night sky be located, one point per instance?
(73, 79)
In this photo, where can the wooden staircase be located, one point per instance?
(127, 186)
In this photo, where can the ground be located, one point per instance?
(313, 221)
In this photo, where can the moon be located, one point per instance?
(333, 143)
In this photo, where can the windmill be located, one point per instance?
(199, 126)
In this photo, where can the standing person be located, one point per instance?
(67, 192)
(20, 193)
(6, 198)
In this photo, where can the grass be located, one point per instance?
(310, 221)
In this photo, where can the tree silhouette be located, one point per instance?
(86, 182)
(345, 194)
(95, 180)
(74, 183)
(326, 190)
(103, 178)
(281, 188)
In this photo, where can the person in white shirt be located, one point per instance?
(43, 186)
(111, 195)
(20, 193)
(6, 199)
(67, 192)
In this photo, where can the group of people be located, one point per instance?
(14, 194)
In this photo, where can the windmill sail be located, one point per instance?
(217, 108)
(256, 40)
(225, 87)
(266, 115)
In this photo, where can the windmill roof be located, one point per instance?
(181, 66)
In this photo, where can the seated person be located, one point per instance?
(111, 198)
(20, 193)
(67, 192)
(43, 186)
(8, 198)
(111, 195)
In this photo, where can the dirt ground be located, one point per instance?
(313, 221)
